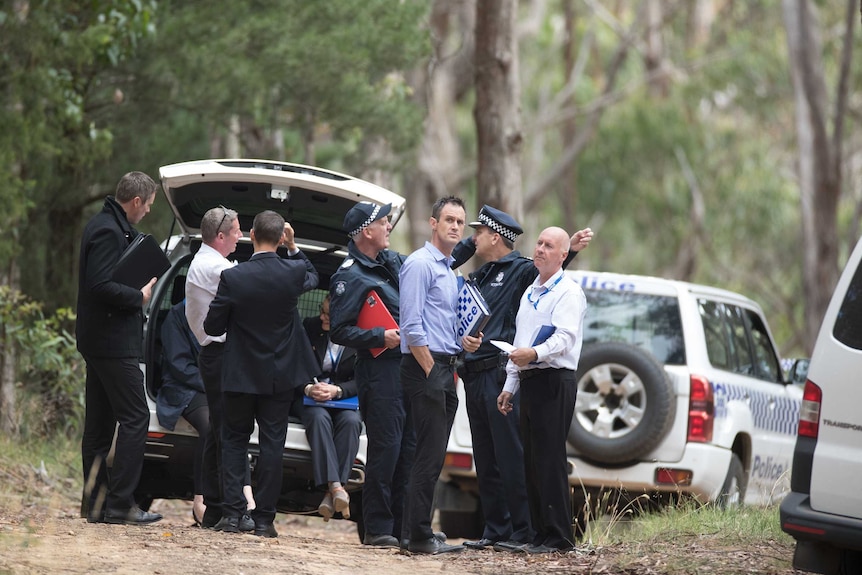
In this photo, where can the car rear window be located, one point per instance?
(848, 324)
(649, 322)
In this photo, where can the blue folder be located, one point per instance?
(347, 403)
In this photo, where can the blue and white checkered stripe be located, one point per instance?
(783, 418)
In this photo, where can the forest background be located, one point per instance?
(713, 141)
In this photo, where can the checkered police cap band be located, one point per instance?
(498, 227)
(366, 223)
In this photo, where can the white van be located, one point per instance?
(823, 512)
(680, 393)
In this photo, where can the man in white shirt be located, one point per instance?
(548, 340)
(220, 232)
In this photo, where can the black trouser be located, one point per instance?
(499, 458)
(210, 366)
(240, 412)
(391, 444)
(547, 407)
(333, 435)
(114, 394)
(433, 402)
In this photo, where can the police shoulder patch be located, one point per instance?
(347, 263)
(340, 288)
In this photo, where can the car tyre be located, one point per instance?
(625, 404)
(732, 492)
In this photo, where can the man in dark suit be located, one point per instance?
(108, 330)
(256, 306)
(332, 432)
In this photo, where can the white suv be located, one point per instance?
(824, 509)
(680, 393)
(314, 202)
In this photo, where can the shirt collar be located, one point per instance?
(550, 281)
(437, 254)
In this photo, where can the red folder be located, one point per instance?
(374, 313)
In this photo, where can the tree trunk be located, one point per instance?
(439, 85)
(8, 361)
(820, 163)
(497, 111)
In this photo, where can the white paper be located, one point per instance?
(503, 345)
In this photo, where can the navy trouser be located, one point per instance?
(391, 444)
(547, 407)
(433, 402)
(499, 458)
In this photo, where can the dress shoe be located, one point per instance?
(228, 525)
(510, 546)
(326, 508)
(405, 543)
(211, 517)
(265, 530)
(246, 523)
(433, 546)
(480, 544)
(342, 502)
(133, 516)
(380, 541)
(96, 517)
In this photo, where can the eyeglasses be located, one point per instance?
(324, 311)
(221, 223)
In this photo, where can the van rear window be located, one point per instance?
(848, 324)
(649, 322)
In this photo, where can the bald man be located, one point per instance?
(548, 339)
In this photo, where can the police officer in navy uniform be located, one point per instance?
(391, 443)
(497, 448)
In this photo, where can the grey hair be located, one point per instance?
(214, 221)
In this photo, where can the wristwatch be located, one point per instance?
(338, 393)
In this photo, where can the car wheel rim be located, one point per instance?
(611, 401)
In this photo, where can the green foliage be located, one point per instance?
(51, 393)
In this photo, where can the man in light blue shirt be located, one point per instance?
(430, 348)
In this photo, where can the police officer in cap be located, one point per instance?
(497, 448)
(391, 444)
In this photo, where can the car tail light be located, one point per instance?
(809, 411)
(701, 410)
(668, 476)
(459, 460)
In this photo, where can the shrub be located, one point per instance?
(49, 375)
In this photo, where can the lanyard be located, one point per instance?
(541, 295)
(333, 359)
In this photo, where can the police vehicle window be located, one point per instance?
(767, 366)
(848, 324)
(649, 322)
(715, 332)
(743, 358)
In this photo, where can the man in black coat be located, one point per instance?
(263, 362)
(108, 329)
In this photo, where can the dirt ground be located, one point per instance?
(40, 532)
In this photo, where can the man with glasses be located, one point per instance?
(220, 233)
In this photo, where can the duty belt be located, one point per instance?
(481, 364)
